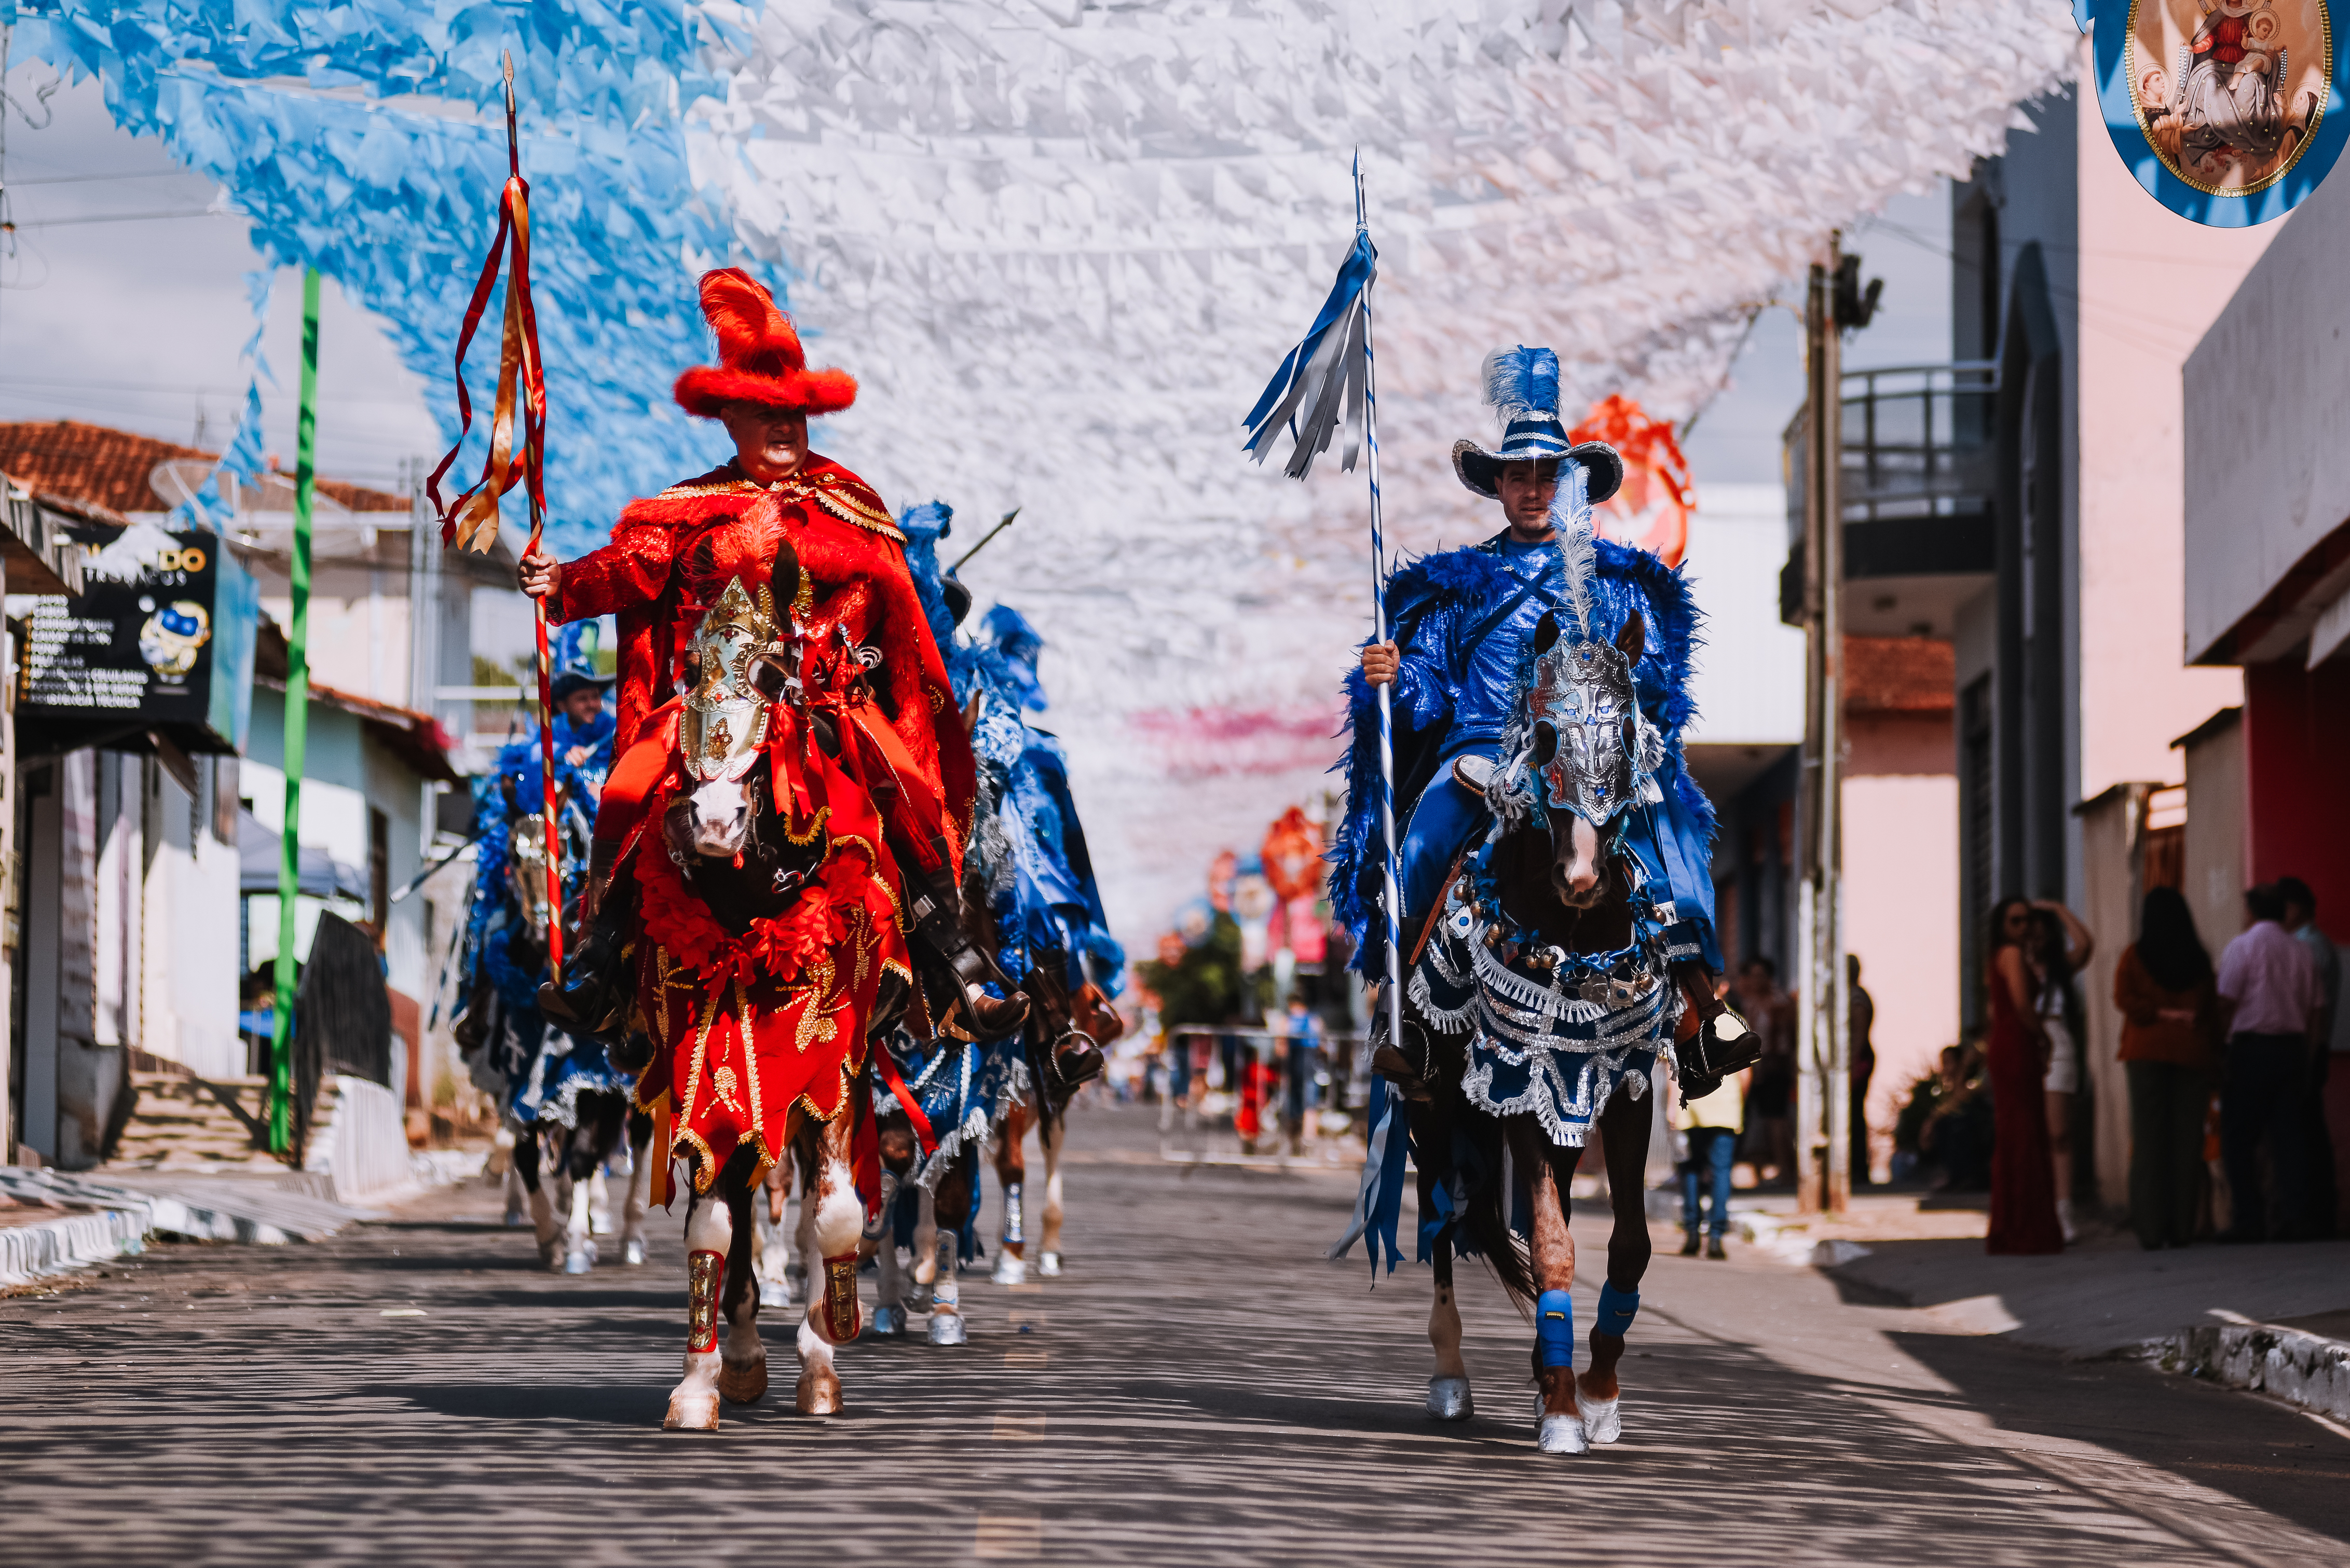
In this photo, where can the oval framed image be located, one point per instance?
(2229, 113)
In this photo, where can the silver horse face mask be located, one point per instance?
(1589, 738)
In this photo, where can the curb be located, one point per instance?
(2303, 1369)
(45, 1247)
(117, 1217)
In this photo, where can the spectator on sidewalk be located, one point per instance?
(1950, 1120)
(2162, 987)
(1860, 1020)
(1712, 1126)
(2270, 996)
(1770, 1114)
(2022, 1181)
(2300, 920)
(2061, 945)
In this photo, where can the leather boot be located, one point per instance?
(1408, 1065)
(937, 907)
(1076, 1060)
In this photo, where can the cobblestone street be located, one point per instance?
(1200, 1387)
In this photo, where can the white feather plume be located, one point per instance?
(1570, 518)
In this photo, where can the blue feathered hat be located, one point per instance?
(1522, 384)
(575, 661)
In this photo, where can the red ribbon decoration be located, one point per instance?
(470, 520)
(887, 1066)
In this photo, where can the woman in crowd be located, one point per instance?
(2163, 988)
(2060, 947)
(2023, 1185)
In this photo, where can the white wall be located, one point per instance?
(188, 1000)
(1749, 674)
(2267, 426)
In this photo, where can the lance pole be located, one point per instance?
(550, 823)
(1392, 867)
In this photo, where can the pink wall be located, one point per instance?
(2150, 285)
(1901, 893)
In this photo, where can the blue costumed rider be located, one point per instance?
(1462, 622)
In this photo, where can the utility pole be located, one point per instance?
(1823, 1064)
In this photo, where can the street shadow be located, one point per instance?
(620, 1404)
(2259, 1452)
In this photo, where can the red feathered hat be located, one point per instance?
(759, 356)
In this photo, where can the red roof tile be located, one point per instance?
(110, 468)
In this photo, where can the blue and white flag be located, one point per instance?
(1322, 381)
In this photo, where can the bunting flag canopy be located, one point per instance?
(1058, 240)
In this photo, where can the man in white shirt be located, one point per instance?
(2271, 995)
(2300, 920)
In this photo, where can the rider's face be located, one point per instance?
(770, 443)
(584, 705)
(1526, 491)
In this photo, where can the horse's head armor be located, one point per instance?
(725, 716)
(1591, 747)
(526, 870)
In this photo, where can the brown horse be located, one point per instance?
(1544, 988)
(1066, 1032)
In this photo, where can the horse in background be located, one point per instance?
(1027, 868)
(558, 1090)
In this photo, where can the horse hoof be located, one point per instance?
(889, 1323)
(633, 1253)
(1448, 1399)
(745, 1383)
(1011, 1270)
(948, 1328)
(1049, 1265)
(819, 1391)
(516, 1217)
(1602, 1422)
(581, 1261)
(551, 1258)
(774, 1292)
(1564, 1434)
(692, 1412)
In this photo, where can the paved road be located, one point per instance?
(1199, 1389)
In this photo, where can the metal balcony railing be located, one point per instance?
(1917, 443)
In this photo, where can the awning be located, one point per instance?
(322, 876)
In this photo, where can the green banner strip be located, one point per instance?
(297, 714)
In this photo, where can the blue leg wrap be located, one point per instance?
(1616, 1310)
(1554, 1328)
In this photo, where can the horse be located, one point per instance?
(1549, 978)
(1065, 1022)
(568, 1107)
(748, 898)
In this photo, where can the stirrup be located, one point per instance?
(1076, 1060)
(1408, 1067)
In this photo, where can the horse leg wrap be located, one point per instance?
(1014, 1234)
(1554, 1328)
(1616, 1310)
(705, 1276)
(841, 1319)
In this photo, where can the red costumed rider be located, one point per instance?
(774, 659)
